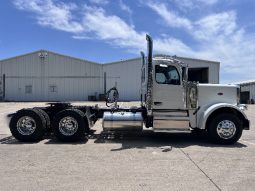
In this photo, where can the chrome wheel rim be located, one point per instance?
(226, 129)
(68, 126)
(26, 125)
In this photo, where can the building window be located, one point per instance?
(28, 89)
(53, 89)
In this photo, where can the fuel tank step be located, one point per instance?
(170, 121)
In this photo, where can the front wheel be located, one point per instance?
(225, 129)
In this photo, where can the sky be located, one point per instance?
(110, 30)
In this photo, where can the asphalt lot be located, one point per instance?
(145, 161)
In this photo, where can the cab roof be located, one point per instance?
(170, 59)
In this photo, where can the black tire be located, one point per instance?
(20, 133)
(198, 132)
(45, 115)
(218, 120)
(77, 117)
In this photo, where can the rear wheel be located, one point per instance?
(69, 125)
(225, 129)
(28, 125)
(45, 115)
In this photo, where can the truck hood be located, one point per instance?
(218, 93)
(220, 85)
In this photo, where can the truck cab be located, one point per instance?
(176, 104)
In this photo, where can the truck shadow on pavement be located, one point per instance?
(135, 140)
(48, 139)
(165, 141)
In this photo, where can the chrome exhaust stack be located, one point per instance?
(149, 100)
(142, 58)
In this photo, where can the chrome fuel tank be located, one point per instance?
(122, 121)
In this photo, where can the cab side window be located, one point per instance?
(167, 75)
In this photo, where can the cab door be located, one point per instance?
(168, 91)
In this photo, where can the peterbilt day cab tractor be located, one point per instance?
(169, 103)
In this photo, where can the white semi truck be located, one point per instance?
(169, 103)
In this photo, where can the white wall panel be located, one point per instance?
(15, 89)
(127, 75)
(20, 72)
(76, 79)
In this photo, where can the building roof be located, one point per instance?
(175, 57)
(247, 82)
(115, 62)
(42, 50)
(198, 60)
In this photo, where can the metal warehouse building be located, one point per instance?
(247, 91)
(47, 76)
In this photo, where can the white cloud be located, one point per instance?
(56, 15)
(209, 2)
(215, 25)
(172, 46)
(96, 24)
(117, 32)
(111, 28)
(192, 4)
(170, 17)
(81, 37)
(99, 2)
(125, 7)
(217, 36)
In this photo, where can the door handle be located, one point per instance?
(157, 103)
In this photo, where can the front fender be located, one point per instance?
(205, 112)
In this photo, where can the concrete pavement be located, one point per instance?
(145, 161)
